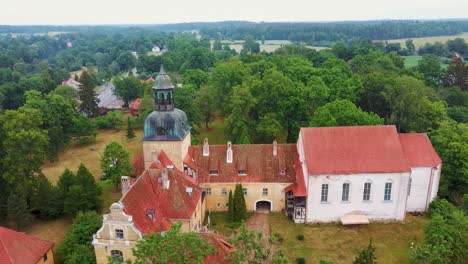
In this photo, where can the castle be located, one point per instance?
(348, 174)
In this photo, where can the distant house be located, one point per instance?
(135, 54)
(72, 83)
(156, 49)
(69, 44)
(135, 107)
(19, 248)
(107, 99)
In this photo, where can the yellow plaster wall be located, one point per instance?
(50, 258)
(175, 150)
(254, 194)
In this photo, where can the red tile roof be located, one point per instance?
(256, 159)
(353, 149)
(298, 188)
(16, 247)
(223, 248)
(138, 164)
(419, 151)
(174, 203)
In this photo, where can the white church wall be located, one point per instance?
(375, 209)
(418, 189)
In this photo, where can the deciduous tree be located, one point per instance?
(115, 162)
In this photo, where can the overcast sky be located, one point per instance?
(27, 12)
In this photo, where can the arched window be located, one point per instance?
(388, 191)
(345, 192)
(117, 256)
(367, 191)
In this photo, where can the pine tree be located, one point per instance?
(230, 213)
(89, 102)
(130, 131)
(240, 209)
(17, 212)
(91, 189)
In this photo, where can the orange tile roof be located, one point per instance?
(256, 159)
(353, 149)
(173, 203)
(419, 151)
(16, 247)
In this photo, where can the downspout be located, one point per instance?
(429, 188)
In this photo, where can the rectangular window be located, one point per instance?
(44, 258)
(265, 191)
(388, 191)
(227, 204)
(213, 173)
(244, 190)
(218, 205)
(224, 192)
(119, 234)
(367, 191)
(242, 172)
(345, 193)
(324, 195)
(208, 191)
(117, 256)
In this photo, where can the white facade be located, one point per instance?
(423, 188)
(376, 208)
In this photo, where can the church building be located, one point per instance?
(351, 175)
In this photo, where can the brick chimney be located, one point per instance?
(125, 183)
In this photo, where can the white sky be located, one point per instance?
(28, 12)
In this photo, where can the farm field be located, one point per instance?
(412, 61)
(269, 46)
(418, 42)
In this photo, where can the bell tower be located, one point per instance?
(166, 128)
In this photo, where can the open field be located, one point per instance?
(412, 61)
(74, 155)
(269, 46)
(418, 42)
(339, 244)
(52, 230)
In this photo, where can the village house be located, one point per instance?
(351, 175)
(16, 247)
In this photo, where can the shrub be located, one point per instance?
(300, 237)
(441, 207)
(113, 120)
(300, 260)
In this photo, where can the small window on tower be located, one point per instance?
(160, 131)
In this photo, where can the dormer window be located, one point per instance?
(242, 172)
(151, 214)
(282, 171)
(213, 173)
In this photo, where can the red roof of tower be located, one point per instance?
(419, 151)
(353, 149)
(16, 247)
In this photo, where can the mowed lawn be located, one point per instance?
(214, 133)
(339, 244)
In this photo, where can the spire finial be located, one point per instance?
(161, 70)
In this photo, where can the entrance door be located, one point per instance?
(263, 207)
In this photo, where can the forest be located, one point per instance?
(260, 96)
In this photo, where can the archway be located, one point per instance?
(263, 206)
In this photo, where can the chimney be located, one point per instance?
(206, 148)
(229, 152)
(125, 183)
(275, 148)
(165, 179)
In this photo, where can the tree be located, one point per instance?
(89, 101)
(128, 89)
(130, 131)
(239, 206)
(172, 247)
(343, 113)
(410, 47)
(126, 61)
(115, 163)
(451, 142)
(410, 107)
(250, 46)
(366, 256)
(18, 212)
(46, 198)
(205, 104)
(431, 69)
(457, 74)
(76, 246)
(91, 189)
(238, 121)
(230, 214)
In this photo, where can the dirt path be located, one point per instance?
(259, 223)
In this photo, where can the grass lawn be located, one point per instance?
(340, 244)
(214, 133)
(74, 155)
(412, 61)
(51, 230)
